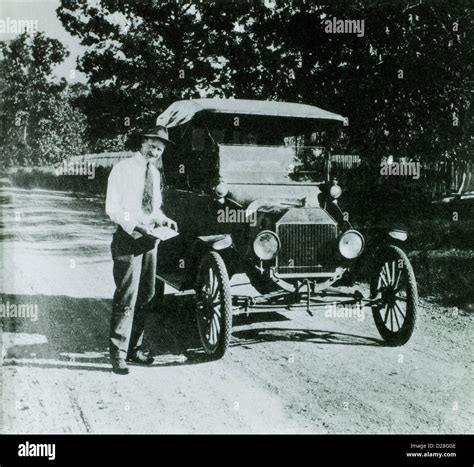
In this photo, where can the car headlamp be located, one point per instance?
(266, 245)
(351, 244)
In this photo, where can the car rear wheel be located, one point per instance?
(394, 297)
(214, 305)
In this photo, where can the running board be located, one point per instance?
(172, 282)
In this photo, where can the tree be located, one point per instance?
(40, 126)
(403, 84)
(142, 56)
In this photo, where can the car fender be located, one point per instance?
(223, 244)
(394, 236)
(215, 242)
(376, 246)
(388, 235)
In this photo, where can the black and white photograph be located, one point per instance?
(237, 217)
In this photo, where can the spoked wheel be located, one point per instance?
(214, 305)
(395, 297)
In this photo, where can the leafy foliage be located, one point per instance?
(40, 126)
(404, 85)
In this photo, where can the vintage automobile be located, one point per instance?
(235, 185)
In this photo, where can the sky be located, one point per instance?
(44, 12)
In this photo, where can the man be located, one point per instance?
(133, 202)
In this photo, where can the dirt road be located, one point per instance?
(285, 371)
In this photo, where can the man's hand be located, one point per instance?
(167, 222)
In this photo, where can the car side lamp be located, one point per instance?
(221, 190)
(335, 191)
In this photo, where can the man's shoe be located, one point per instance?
(120, 367)
(140, 358)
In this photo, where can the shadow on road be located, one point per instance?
(261, 335)
(58, 331)
(61, 329)
(73, 332)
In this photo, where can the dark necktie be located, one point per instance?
(147, 201)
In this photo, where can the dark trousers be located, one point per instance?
(134, 275)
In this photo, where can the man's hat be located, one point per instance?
(159, 132)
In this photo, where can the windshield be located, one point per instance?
(257, 164)
(256, 149)
(242, 158)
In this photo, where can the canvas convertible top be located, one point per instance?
(181, 112)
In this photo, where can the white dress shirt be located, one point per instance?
(125, 194)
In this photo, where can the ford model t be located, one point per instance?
(235, 184)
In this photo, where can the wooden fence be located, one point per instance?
(449, 178)
(439, 178)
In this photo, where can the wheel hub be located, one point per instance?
(389, 296)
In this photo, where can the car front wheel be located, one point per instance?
(213, 305)
(394, 296)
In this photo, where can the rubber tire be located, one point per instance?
(217, 264)
(400, 337)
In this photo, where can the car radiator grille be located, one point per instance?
(306, 248)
